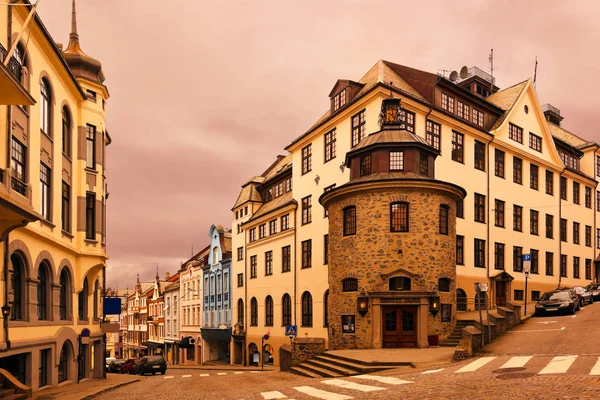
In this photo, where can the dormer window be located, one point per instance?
(400, 283)
(339, 100)
(396, 161)
(365, 165)
(424, 164)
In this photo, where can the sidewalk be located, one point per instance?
(86, 389)
(474, 315)
(222, 367)
(418, 358)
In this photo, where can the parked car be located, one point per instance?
(108, 361)
(128, 365)
(585, 297)
(594, 289)
(150, 365)
(558, 301)
(115, 366)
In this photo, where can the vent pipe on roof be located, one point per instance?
(552, 114)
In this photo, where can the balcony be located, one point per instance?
(13, 92)
(18, 186)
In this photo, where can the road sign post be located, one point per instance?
(526, 270)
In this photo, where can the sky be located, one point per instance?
(205, 94)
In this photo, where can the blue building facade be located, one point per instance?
(216, 322)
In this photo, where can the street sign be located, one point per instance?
(526, 263)
(85, 336)
(291, 330)
(526, 257)
(266, 336)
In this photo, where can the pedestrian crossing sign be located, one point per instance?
(291, 330)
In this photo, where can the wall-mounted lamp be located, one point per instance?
(434, 305)
(342, 167)
(5, 310)
(362, 303)
(317, 179)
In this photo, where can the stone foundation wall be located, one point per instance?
(306, 348)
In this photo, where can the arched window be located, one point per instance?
(269, 311)
(461, 300)
(43, 292)
(326, 308)
(480, 300)
(286, 309)
(349, 221)
(240, 310)
(254, 312)
(45, 106)
(444, 219)
(400, 283)
(350, 285)
(65, 295)
(444, 285)
(96, 298)
(66, 132)
(63, 363)
(215, 255)
(18, 288)
(307, 312)
(399, 217)
(21, 57)
(83, 301)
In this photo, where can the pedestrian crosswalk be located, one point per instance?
(206, 375)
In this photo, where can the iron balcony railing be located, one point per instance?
(13, 65)
(19, 186)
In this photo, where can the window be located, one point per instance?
(460, 250)
(597, 200)
(569, 160)
(535, 295)
(64, 295)
(90, 146)
(444, 219)
(444, 285)
(286, 309)
(252, 235)
(396, 161)
(399, 283)
(423, 164)
(240, 280)
(598, 238)
(597, 165)
(517, 218)
(262, 231)
(358, 128)
(43, 292)
(240, 311)
(18, 167)
(408, 118)
(91, 95)
(517, 259)
(307, 314)
(253, 312)
(90, 216)
(563, 188)
(433, 134)
(479, 253)
(533, 176)
(325, 249)
(365, 165)
(479, 155)
(330, 145)
(96, 299)
(460, 208)
(550, 183)
(499, 163)
(339, 100)
(83, 301)
(549, 226)
(285, 222)
(549, 263)
(288, 188)
(306, 210)
(286, 259)
(458, 146)
(350, 285)
(66, 132)
(307, 253)
(576, 267)
(463, 110)
(240, 253)
(588, 236)
(534, 222)
(307, 159)
(253, 264)
(273, 227)
(269, 262)
(399, 217)
(349, 220)
(44, 359)
(535, 256)
(535, 142)
(45, 195)
(518, 295)
(478, 118)
(576, 192)
(479, 208)
(63, 363)
(588, 197)
(517, 170)
(515, 133)
(563, 265)
(326, 308)
(563, 230)
(448, 103)
(588, 269)
(66, 207)
(499, 213)
(269, 311)
(576, 232)
(499, 255)
(45, 112)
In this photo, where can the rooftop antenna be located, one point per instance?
(464, 72)
(391, 85)
(492, 71)
(444, 71)
(453, 76)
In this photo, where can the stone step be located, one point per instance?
(6, 392)
(366, 363)
(323, 372)
(17, 396)
(332, 367)
(354, 366)
(298, 370)
(446, 344)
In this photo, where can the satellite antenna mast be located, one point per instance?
(492, 71)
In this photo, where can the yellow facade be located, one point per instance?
(59, 260)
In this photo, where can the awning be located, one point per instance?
(12, 91)
(187, 342)
(153, 345)
(216, 334)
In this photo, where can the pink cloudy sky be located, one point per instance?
(206, 93)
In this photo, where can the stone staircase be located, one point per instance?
(329, 365)
(11, 388)
(454, 339)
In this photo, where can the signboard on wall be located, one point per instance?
(112, 305)
(446, 312)
(348, 323)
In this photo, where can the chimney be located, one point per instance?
(167, 276)
(552, 114)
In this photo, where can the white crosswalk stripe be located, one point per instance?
(596, 369)
(390, 380)
(517, 362)
(433, 371)
(475, 365)
(352, 385)
(273, 395)
(203, 375)
(321, 394)
(222, 373)
(558, 365)
(186, 376)
(169, 377)
(238, 372)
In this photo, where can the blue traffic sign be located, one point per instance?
(526, 257)
(291, 330)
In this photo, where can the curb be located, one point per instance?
(107, 389)
(216, 368)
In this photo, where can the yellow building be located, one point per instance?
(52, 164)
(524, 175)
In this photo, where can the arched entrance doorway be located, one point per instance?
(461, 300)
(254, 354)
(63, 361)
(268, 354)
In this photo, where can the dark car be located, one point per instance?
(128, 365)
(115, 366)
(150, 365)
(594, 289)
(558, 301)
(585, 297)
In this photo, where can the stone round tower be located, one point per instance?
(392, 243)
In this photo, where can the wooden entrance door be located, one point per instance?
(501, 293)
(399, 327)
